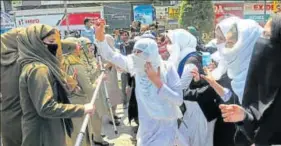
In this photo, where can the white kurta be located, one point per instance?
(152, 131)
(185, 43)
(196, 132)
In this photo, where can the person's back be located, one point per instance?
(262, 90)
(10, 106)
(11, 112)
(266, 82)
(38, 121)
(88, 32)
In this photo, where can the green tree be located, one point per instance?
(199, 14)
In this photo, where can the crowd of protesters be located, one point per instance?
(179, 90)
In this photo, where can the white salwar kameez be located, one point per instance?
(196, 132)
(155, 132)
(157, 124)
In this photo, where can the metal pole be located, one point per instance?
(106, 95)
(66, 16)
(82, 132)
(15, 20)
(264, 12)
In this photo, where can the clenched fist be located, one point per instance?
(99, 30)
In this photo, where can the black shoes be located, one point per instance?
(117, 122)
(102, 135)
(104, 143)
(117, 118)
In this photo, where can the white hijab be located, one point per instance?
(183, 43)
(146, 92)
(225, 25)
(149, 53)
(238, 57)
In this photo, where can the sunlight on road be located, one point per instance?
(125, 136)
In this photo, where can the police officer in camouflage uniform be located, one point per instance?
(84, 70)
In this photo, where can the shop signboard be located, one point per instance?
(173, 13)
(7, 22)
(255, 11)
(76, 20)
(228, 8)
(144, 14)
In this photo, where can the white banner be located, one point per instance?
(51, 2)
(161, 12)
(51, 20)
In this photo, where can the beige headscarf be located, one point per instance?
(70, 58)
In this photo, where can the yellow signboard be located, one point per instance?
(276, 6)
(16, 3)
(173, 13)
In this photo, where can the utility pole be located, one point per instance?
(3, 9)
(66, 16)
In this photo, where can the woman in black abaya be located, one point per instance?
(261, 105)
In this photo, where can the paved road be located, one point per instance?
(125, 137)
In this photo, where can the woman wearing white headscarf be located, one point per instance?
(237, 44)
(225, 25)
(182, 49)
(207, 97)
(181, 45)
(158, 92)
(260, 110)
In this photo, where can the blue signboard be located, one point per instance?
(7, 22)
(144, 13)
(257, 17)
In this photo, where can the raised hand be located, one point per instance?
(208, 76)
(232, 113)
(153, 75)
(99, 30)
(212, 66)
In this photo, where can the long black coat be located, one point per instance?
(209, 101)
(262, 96)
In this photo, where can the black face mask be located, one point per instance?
(52, 48)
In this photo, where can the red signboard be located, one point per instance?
(222, 9)
(260, 7)
(78, 18)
